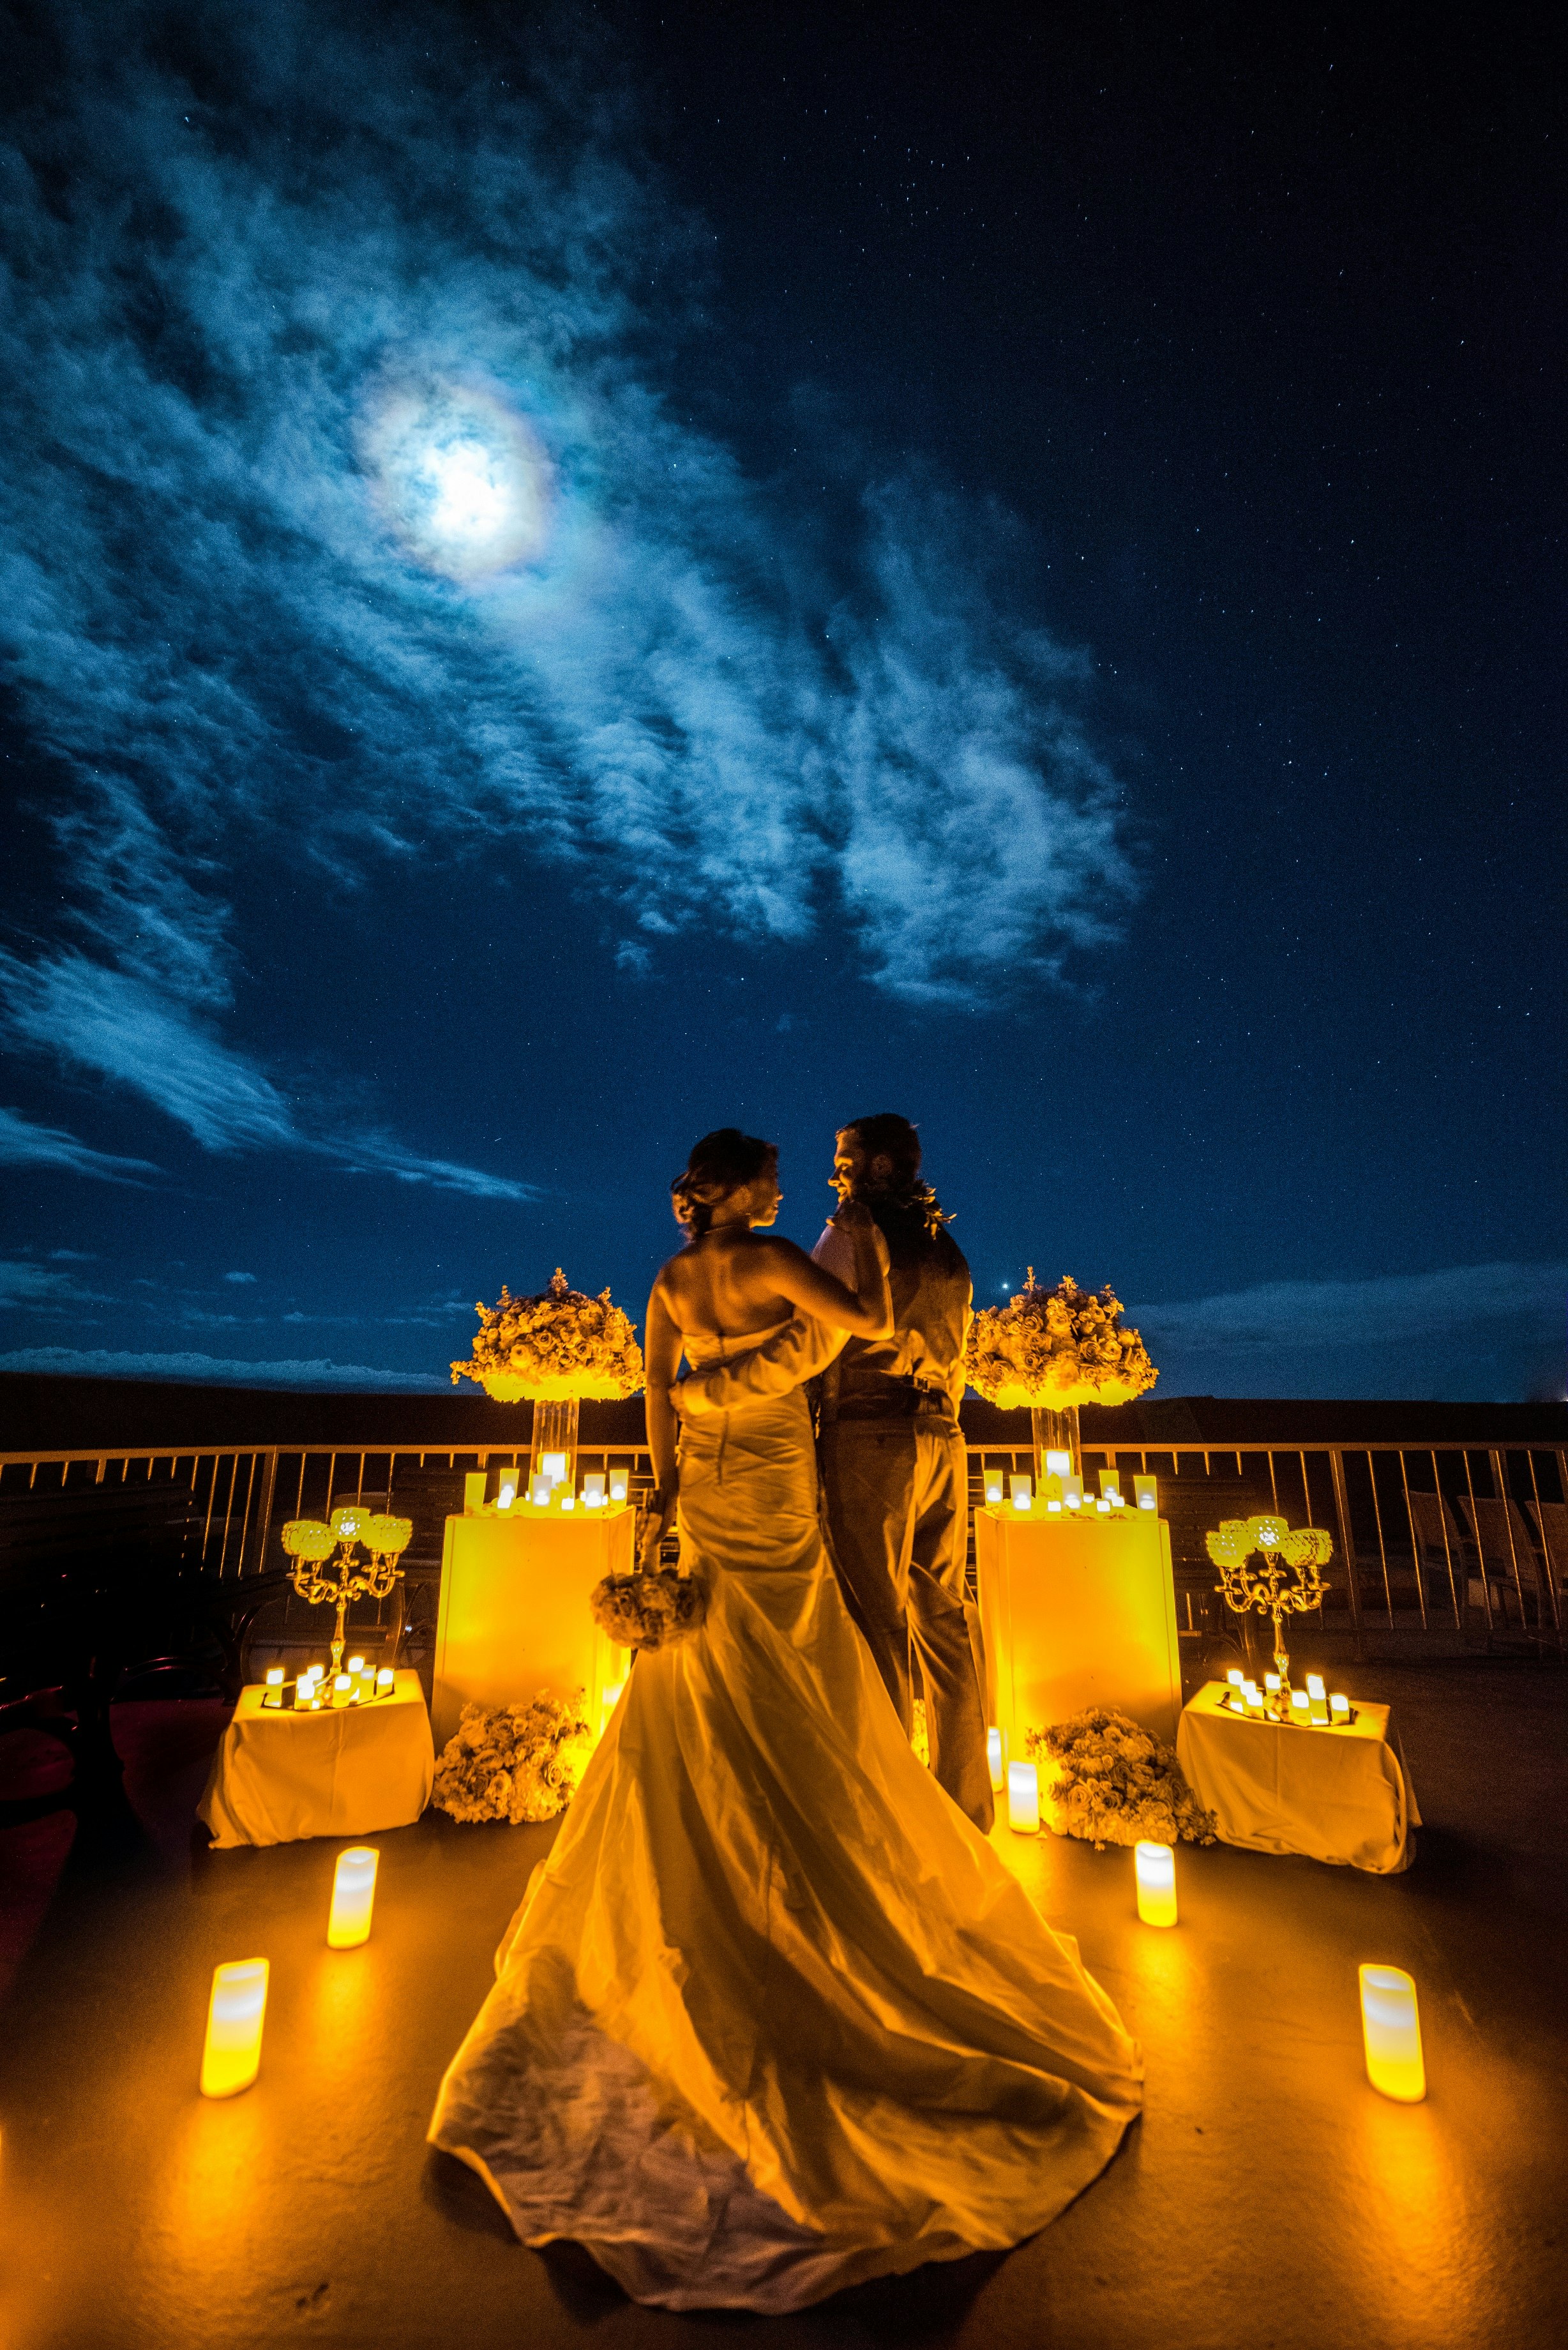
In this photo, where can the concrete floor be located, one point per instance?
(1268, 2196)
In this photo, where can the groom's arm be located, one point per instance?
(799, 1352)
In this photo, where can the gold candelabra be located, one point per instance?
(1288, 1581)
(317, 1550)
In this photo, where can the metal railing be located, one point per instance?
(1434, 1543)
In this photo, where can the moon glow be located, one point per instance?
(461, 478)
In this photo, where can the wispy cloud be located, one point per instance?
(24, 1144)
(344, 506)
(213, 1370)
(35, 1286)
(1387, 1311)
(119, 1024)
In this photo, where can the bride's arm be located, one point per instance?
(867, 1310)
(661, 1360)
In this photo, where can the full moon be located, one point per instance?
(460, 477)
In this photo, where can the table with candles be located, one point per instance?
(517, 1572)
(1301, 1770)
(324, 1755)
(1077, 1606)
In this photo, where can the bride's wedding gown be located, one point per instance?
(774, 2017)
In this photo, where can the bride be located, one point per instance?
(773, 2017)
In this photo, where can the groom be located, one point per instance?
(894, 1469)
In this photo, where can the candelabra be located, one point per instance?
(326, 1571)
(1287, 1582)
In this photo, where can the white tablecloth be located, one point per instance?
(1076, 1612)
(515, 1615)
(1339, 1795)
(279, 1775)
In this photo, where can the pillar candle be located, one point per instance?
(353, 1897)
(506, 1492)
(367, 1680)
(1023, 1490)
(473, 1486)
(1072, 1492)
(1023, 1798)
(539, 1493)
(553, 1466)
(1300, 1714)
(1339, 1708)
(993, 1758)
(1391, 2033)
(620, 1484)
(1254, 1698)
(1146, 1492)
(1316, 1702)
(993, 1488)
(1058, 1464)
(594, 1489)
(386, 1680)
(1156, 1867)
(355, 1665)
(236, 2011)
(342, 1688)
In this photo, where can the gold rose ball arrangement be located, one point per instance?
(1052, 1350)
(560, 1347)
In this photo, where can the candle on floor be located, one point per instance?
(353, 1897)
(1316, 1702)
(993, 1488)
(231, 2058)
(1146, 1492)
(1156, 1867)
(1339, 1708)
(993, 1759)
(1023, 1798)
(1022, 1491)
(1391, 2033)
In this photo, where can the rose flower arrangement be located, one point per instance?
(1053, 1349)
(558, 1347)
(514, 1763)
(1104, 1779)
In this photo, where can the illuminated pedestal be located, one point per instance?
(1078, 1611)
(514, 1616)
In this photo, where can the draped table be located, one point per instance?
(1077, 1610)
(1342, 1796)
(514, 1616)
(348, 1771)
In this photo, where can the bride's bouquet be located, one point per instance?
(560, 1346)
(651, 1609)
(1052, 1348)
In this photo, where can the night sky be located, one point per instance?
(573, 576)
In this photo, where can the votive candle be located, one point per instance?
(1023, 1798)
(1022, 1491)
(619, 1481)
(231, 2058)
(366, 1682)
(1254, 1698)
(993, 1759)
(539, 1493)
(355, 1665)
(1317, 1703)
(1300, 1713)
(594, 1489)
(506, 1492)
(568, 1501)
(342, 1688)
(1146, 1492)
(353, 1897)
(1072, 1492)
(386, 1680)
(1155, 1868)
(1391, 2034)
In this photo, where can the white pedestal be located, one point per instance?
(514, 1616)
(1078, 1611)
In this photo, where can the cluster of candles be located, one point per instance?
(550, 1487)
(1061, 1491)
(236, 2011)
(318, 1691)
(1390, 2020)
(1311, 1708)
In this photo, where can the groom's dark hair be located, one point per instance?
(888, 1135)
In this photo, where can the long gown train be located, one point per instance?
(773, 2017)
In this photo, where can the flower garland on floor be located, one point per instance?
(649, 1610)
(514, 1763)
(1053, 1348)
(559, 1345)
(1113, 1784)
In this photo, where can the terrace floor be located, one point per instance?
(1267, 2198)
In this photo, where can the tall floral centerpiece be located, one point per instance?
(1053, 1350)
(551, 1350)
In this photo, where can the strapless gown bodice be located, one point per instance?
(774, 2017)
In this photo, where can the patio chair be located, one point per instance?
(1438, 1542)
(1491, 1523)
(1549, 1520)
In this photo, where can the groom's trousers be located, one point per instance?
(897, 1489)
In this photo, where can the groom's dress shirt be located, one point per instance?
(931, 1307)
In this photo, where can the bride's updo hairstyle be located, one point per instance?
(721, 1163)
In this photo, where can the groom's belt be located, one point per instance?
(890, 1395)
